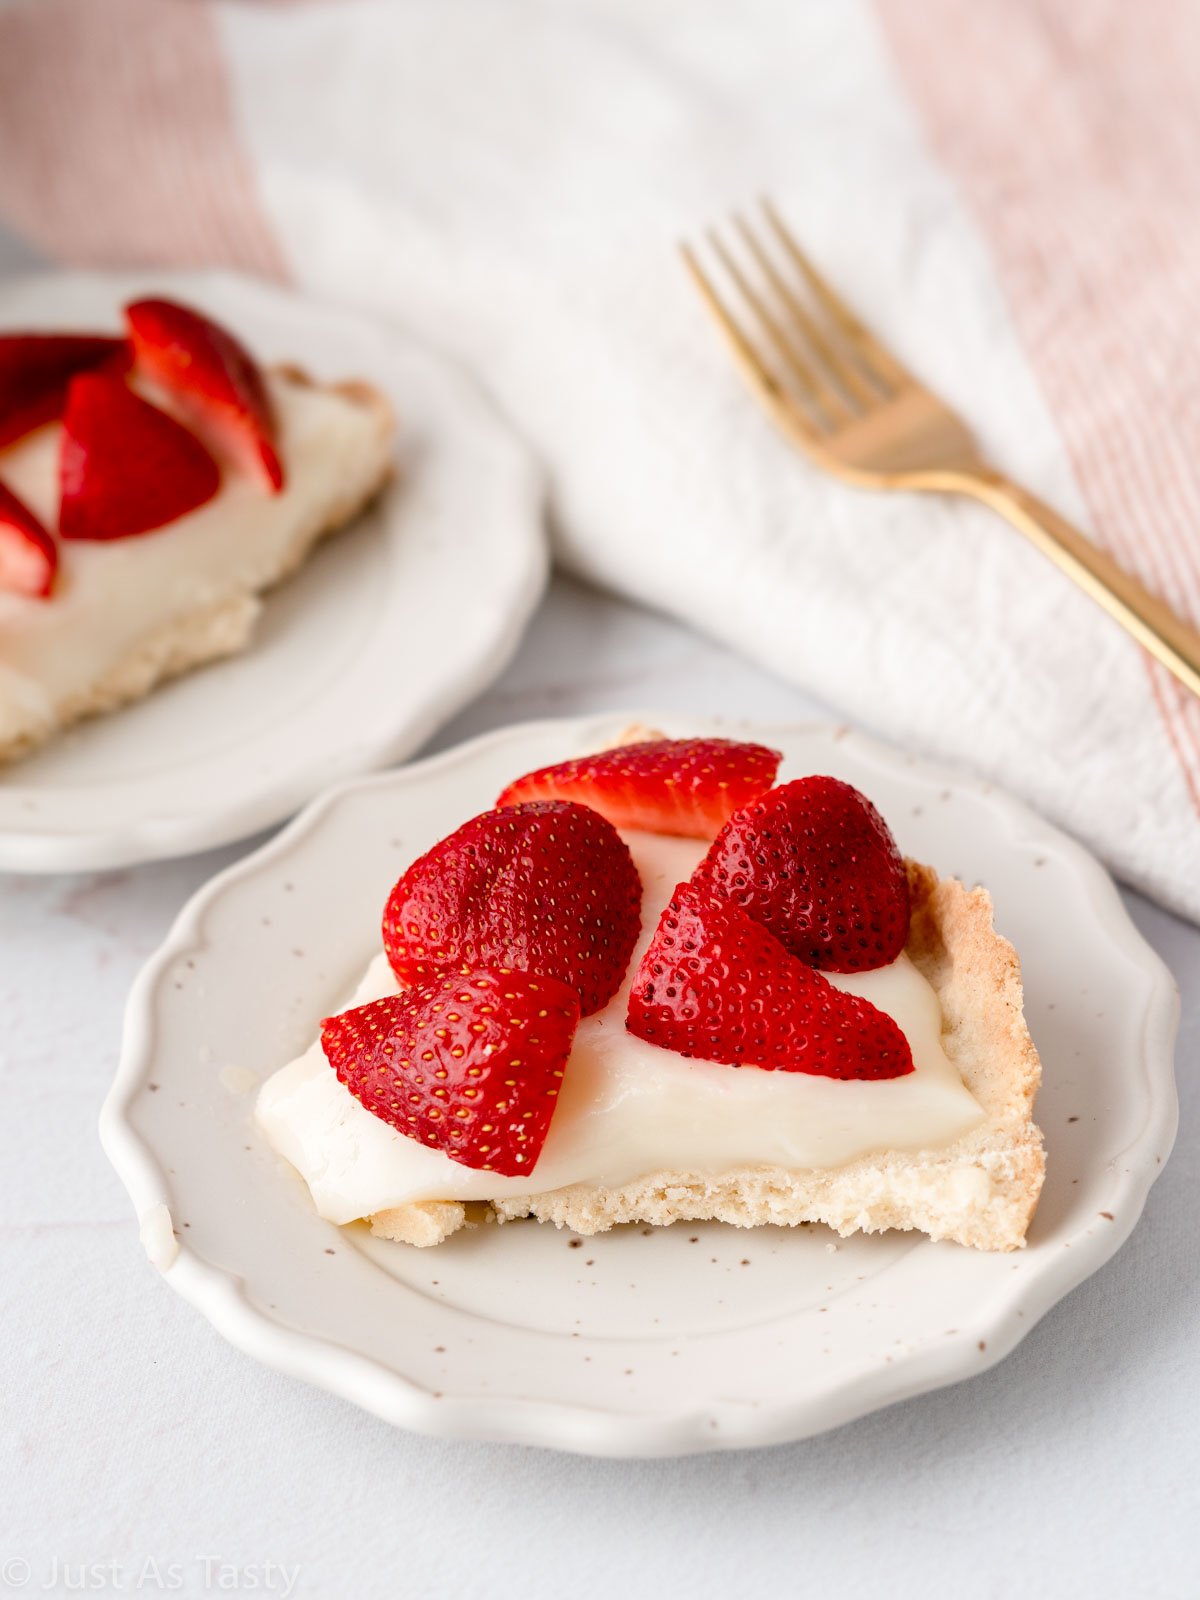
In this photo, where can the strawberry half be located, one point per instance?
(35, 369)
(680, 786)
(548, 888)
(125, 466)
(816, 864)
(213, 380)
(470, 1064)
(28, 555)
(716, 985)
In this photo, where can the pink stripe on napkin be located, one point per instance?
(1072, 132)
(122, 147)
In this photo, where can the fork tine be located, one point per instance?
(879, 361)
(844, 372)
(760, 375)
(816, 390)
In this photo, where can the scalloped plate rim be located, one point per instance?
(595, 1430)
(160, 836)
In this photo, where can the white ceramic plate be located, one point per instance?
(387, 631)
(631, 1343)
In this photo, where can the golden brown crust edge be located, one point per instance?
(357, 390)
(213, 631)
(979, 1191)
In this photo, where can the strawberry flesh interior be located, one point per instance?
(28, 554)
(125, 466)
(36, 369)
(213, 380)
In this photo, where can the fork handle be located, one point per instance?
(1150, 620)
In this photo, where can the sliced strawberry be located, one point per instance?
(213, 379)
(548, 888)
(470, 1064)
(35, 369)
(716, 985)
(683, 786)
(125, 466)
(816, 864)
(28, 555)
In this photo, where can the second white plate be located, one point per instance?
(385, 633)
(637, 1342)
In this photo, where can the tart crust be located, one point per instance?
(980, 1191)
(222, 629)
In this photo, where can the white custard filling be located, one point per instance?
(110, 596)
(627, 1108)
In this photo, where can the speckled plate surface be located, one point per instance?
(352, 665)
(636, 1342)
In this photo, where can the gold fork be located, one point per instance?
(844, 400)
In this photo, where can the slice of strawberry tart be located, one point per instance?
(151, 487)
(656, 984)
